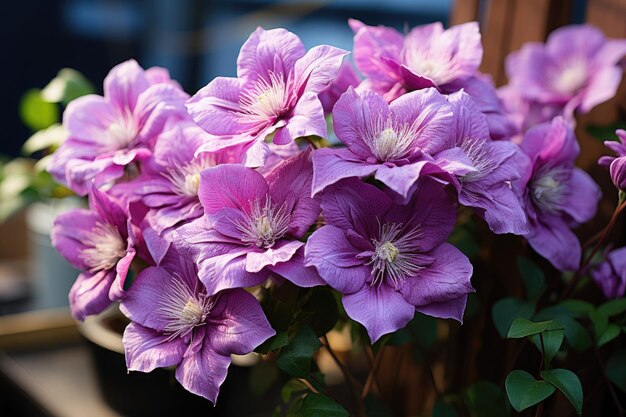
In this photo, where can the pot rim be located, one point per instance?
(94, 329)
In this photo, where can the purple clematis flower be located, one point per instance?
(557, 195)
(428, 56)
(175, 322)
(392, 141)
(107, 133)
(610, 275)
(577, 68)
(494, 164)
(252, 225)
(170, 188)
(347, 77)
(390, 260)
(276, 93)
(100, 241)
(617, 166)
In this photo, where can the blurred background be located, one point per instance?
(44, 370)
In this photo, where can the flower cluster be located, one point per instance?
(227, 190)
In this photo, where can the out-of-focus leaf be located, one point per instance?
(600, 322)
(293, 386)
(580, 307)
(522, 328)
(318, 405)
(616, 369)
(49, 138)
(604, 133)
(525, 391)
(66, 86)
(262, 377)
(534, 279)
(611, 332)
(374, 407)
(36, 113)
(577, 336)
(505, 311)
(486, 399)
(465, 241)
(613, 307)
(295, 359)
(441, 409)
(568, 383)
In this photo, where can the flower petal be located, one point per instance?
(147, 350)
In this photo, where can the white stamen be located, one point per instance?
(392, 258)
(265, 100)
(389, 140)
(106, 247)
(264, 225)
(182, 308)
(548, 189)
(570, 77)
(480, 155)
(186, 179)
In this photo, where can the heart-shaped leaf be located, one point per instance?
(568, 383)
(524, 390)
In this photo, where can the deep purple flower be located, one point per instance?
(576, 68)
(557, 195)
(175, 322)
(252, 225)
(428, 56)
(170, 186)
(610, 275)
(101, 242)
(390, 260)
(276, 93)
(392, 141)
(617, 166)
(107, 133)
(494, 164)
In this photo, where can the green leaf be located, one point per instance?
(579, 308)
(524, 391)
(320, 310)
(522, 328)
(295, 359)
(293, 386)
(66, 86)
(575, 333)
(600, 322)
(374, 407)
(441, 409)
(49, 138)
(486, 399)
(552, 340)
(36, 113)
(616, 369)
(534, 279)
(262, 377)
(568, 383)
(611, 332)
(318, 405)
(463, 238)
(277, 341)
(603, 133)
(613, 307)
(508, 309)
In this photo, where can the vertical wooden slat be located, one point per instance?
(496, 32)
(464, 11)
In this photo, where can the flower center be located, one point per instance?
(571, 77)
(392, 259)
(264, 224)
(267, 99)
(182, 309)
(122, 133)
(106, 247)
(480, 155)
(186, 179)
(548, 189)
(390, 141)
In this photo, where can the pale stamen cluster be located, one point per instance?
(105, 247)
(185, 179)
(480, 155)
(390, 140)
(265, 100)
(549, 190)
(265, 224)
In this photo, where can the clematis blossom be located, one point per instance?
(428, 56)
(494, 165)
(169, 187)
(390, 260)
(576, 69)
(616, 165)
(275, 93)
(393, 141)
(175, 322)
(610, 275)
(101, 242)
(252, 225)
(108, 133)
(557, 196)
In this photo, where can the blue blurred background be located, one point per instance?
(195, 39)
